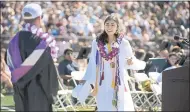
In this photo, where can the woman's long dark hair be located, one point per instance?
(103, 37)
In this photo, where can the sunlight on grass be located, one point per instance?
(8, 101)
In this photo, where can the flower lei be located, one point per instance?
(50, 41)
(107, 57)
(115, 49)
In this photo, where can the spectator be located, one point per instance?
(140, 54)
(66, 66)
(144, 22)
(174, 59)
(148, 55)
(163, 53)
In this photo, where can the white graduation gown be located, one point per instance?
(105, 91)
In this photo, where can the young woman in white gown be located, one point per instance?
(111, 55)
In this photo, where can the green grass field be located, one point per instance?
(7, 101)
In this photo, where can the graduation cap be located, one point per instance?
(84, 53)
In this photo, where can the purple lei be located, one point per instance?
(113, 53)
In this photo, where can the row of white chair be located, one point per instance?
(64, 94)
(141, 99)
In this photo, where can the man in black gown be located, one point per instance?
(33, 72)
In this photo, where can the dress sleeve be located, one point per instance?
(81, 92)
(126, 49)
(90, 74)
(127, 52)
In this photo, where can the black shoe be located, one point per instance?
(96, 108)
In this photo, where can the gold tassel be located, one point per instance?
(113, 84)
(113, 76)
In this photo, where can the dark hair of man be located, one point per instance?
(175, 54)
(165, 44)
(103, 37)
(176, 49)
(140, 54)
(26, 14)
(67, 50)
(148, 55)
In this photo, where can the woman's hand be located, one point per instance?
(129, 61)
(94, 91)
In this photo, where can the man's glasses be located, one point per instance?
(69, 53)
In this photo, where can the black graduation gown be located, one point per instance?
(35, 90)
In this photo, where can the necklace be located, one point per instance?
(50, 41)
(114, 50)
(112, 64)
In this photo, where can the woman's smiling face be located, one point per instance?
(110, 27)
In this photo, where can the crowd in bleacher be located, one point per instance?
(143, 21)
(150, 27)
(146, 24)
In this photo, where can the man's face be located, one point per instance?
(39, 21)
(164, 54)
(173, 60)
(69, 55)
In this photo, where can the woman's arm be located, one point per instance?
(131, 61)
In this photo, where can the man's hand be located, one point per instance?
(66, 77)
(9, 83)
(82, 82)
(6, 78)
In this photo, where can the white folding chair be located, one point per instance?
(156, 88)
(135, 94)
(7, 109)
(63, 96)
(158, 94)
(142, 99)
(2, 95)
(154, 76)
(78, 75)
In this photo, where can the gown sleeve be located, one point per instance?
(81, 92)
(128, 54)
(90, 74)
